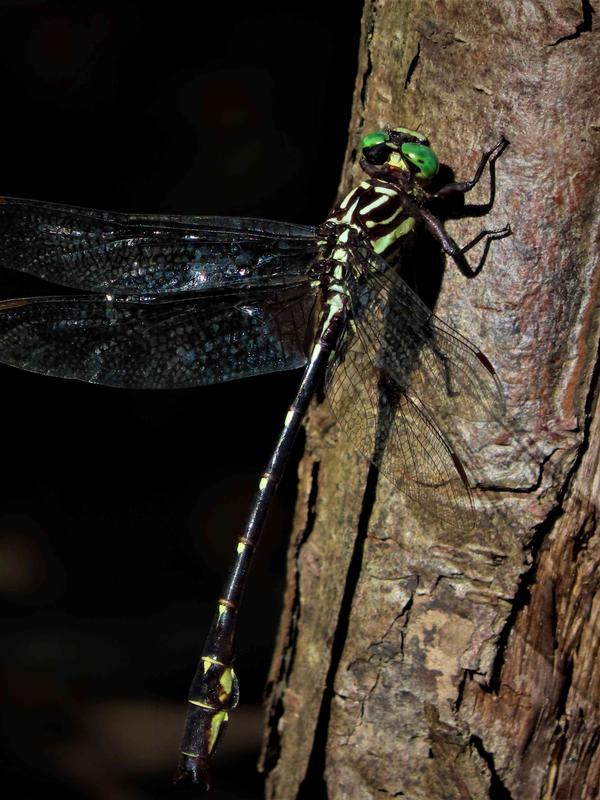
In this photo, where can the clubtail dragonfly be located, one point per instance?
(178, 301)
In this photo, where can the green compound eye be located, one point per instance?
(371, 139)
(422, 157)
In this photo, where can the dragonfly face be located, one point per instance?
(400, 156)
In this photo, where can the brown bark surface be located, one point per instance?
(415, 660)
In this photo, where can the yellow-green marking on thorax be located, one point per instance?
(379, 201)
(389, 191)
(372, 224)
(381, 245)
(347, 218)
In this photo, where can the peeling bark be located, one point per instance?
(414, 660)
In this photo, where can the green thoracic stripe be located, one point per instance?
(371, 223)
(375, 204)
(368, 200)
(381, 245)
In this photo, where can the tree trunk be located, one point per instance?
(414, 661)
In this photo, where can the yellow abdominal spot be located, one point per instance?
(215, 726)
(226, 681)
(207, 661)
(200, 704)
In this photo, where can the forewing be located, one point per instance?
(154, 343)
(149, 254)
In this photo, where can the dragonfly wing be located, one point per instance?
(400, 379)
(445, 371)
(158, 343)
(149, 254)
(394, 431)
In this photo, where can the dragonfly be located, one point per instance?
(164, 302)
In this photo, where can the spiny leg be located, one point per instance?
(451, 248)
(462, 187)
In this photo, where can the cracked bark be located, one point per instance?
(414, 660)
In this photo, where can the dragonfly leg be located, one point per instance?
(462, 187)
(457, 253)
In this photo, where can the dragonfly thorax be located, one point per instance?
(376, 211)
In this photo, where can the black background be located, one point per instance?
(118, 510)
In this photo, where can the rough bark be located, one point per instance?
(414, 661)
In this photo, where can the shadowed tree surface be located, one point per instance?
(416, 659)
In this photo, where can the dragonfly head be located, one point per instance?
(398, 155)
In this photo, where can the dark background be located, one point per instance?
(118, 510)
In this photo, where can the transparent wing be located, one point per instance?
(395, 432)
(149, 254)
(399, 378)
(156, 343)
(448, 374)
